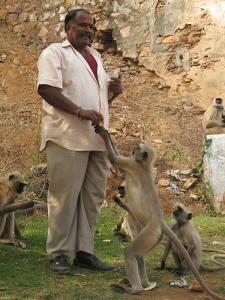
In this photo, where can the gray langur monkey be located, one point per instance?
(142, 202)
(191, 240)
(214, 119)
(11, 187)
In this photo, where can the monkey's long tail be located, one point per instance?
(214, 268)
(214, 257)
(171, 235)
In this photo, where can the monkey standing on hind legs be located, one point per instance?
(10, 187)
(142, 203)
(191, 240)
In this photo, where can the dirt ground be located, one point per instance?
(143, 112)
(168, 293)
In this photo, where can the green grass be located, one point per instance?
(24, 274)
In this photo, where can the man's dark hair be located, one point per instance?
(71, 15)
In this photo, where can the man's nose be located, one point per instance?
(88, 28)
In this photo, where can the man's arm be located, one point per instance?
(54, 97)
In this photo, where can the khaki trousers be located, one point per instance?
(77, 187)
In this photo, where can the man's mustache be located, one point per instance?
(85, 34)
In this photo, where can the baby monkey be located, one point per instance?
(191, 240)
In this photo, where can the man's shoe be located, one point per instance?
(60, 265)
(90, 261)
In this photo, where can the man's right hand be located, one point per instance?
(92, 115)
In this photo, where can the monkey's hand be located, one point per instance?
(100, 130)
(111, 149)
(20, 244)
(118, 201)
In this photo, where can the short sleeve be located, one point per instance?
(50, 68)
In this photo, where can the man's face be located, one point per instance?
(80, 32)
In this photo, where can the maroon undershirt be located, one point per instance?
(92, 63)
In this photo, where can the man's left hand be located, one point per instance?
(115, 88)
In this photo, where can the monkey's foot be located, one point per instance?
(121, 236)
(176, 271)
(126, 281)
(151, 286)
(120, 289)
(17, 243)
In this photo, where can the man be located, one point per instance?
(75, 90)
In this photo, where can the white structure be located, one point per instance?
(214, 169)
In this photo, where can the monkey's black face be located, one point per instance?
(180, 215)
(20, 187)
(17, 183)
(179, 210)
(140, 153)
(219, 101)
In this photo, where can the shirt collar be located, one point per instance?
(66, 43)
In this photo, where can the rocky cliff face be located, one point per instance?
(180, 41)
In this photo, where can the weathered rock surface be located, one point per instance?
(181, 41)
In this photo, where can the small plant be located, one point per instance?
(179, 154)
(199, 165)
(204, 192)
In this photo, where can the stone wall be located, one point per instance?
(180, 41)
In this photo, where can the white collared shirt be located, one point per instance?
(61, 66)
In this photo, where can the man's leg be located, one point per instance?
(92, 195)
(66, 171)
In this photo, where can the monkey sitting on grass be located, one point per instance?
(191, 240)
(10, 188)
(142, 202)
